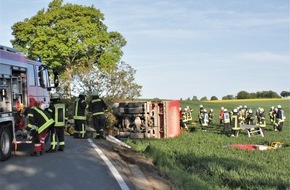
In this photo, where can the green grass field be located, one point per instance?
(203, 160)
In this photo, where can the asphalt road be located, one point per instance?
(83, 165)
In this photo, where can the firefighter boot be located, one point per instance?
(102, 134)
(61, 148)
(36, 150)
(50, 150)
(36, 153)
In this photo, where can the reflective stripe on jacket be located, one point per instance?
(39, 118)
(59, 115)
(97, 106)
(79, 109)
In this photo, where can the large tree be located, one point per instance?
(70, 38)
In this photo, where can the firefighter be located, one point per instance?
(262, 121)
(235, 123)
(200, 114)
(38, 125)
(97, 107)
(58, 112)
(210, 116)
(80, 116)
(271, 114)
(280, 118)
(250, 119)
(221, 115)
(226, 120)
(204, 120)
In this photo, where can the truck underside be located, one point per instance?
(148, 119)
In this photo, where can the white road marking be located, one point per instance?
(113, 170)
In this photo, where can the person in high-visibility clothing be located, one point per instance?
(97, 107)
(262, 121)
(204, 120)
(58, 112)
(80, 116)
(39, 122)
(280, 118)
(226, 120)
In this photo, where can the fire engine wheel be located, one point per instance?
(5, 143)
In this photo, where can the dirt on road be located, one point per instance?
(139, 169)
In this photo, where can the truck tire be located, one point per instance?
(5, 143)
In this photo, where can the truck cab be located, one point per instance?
(23, 83)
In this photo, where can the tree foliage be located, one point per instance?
(213, 98)
(73, 39)
(194, 98)
(262, 94)
(285, 94)
(116, 85)
(228, 97)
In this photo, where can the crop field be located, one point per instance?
(203, 160)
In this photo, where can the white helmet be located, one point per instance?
(82, 93)
(250, 111)
(279, 106)
(55, 96)
(95, 93)
(225, 110)
(235, 110)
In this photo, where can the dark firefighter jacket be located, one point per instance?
(39, 118)
(80, 109)
(97, 106)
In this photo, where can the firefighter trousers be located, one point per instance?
(99, 122)
(79, 128)
(57, 138)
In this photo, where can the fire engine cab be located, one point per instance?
(23, 83)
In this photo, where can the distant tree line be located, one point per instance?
(263, 94)
(247, 95)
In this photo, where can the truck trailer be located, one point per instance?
(148, 119)
(23, 83)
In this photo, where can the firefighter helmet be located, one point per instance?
(82, 94)
(95, 93)
(55, 96)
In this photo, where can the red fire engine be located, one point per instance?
(23, 83)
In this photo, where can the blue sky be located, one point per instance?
(188, 48)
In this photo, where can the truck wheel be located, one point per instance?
(5, 143)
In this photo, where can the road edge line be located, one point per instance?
(113, 170)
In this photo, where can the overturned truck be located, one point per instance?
(148, 119)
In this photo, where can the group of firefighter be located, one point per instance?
(231, 120)
(42, 119)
